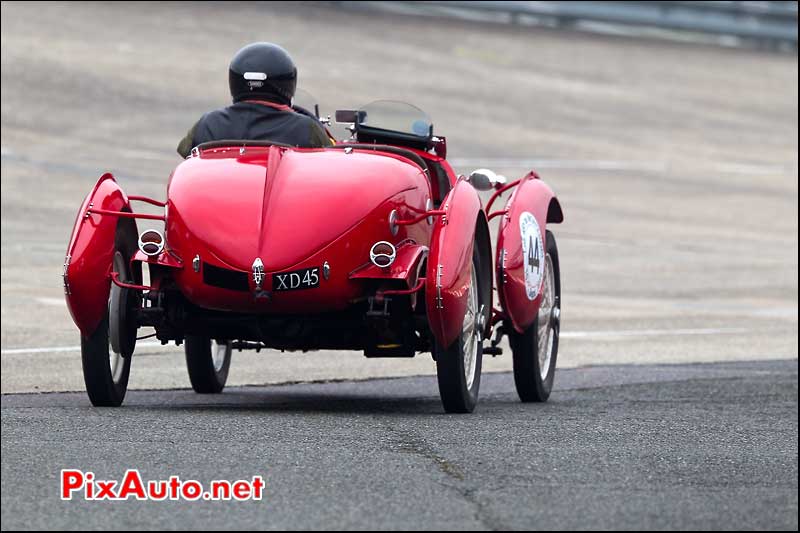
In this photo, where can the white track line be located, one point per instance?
(650, 333)
(57, 349)
(566, 335)
(57, 302)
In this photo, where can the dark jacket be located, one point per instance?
(255, 121)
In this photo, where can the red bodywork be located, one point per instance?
(450, 263)
(295, 209)
(533, 196)
(87, 267)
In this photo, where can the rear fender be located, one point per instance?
(450, 262)
(520, 249)
(87, 267)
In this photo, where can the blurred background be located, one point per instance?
(668, 130)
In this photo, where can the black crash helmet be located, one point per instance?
(262, 70)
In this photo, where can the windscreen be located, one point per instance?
(396, 116)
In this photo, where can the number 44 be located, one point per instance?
(533, 253)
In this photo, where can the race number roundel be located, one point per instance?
(532, 253)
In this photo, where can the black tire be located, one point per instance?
(206, 376)
(107, 383)
(101, 386)
(459, 396)
(530, 385)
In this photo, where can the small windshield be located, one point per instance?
(396, 116)
(306, 101)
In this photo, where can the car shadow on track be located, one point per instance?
(305, 402)
(283, 402)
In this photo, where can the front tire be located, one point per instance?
(458, 368)
(208, 362)
(535, 350)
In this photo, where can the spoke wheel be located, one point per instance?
(458, 367)
(535, 350)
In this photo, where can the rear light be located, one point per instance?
(382, 254)
(151, 242)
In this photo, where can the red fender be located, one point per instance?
(528, 211)
(450, 262)
(87, 267)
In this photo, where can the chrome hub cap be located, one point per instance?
(219, 352)
(548, 315)
(470, 332)
(117, 363)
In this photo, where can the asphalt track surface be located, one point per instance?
(676, 165)
(710, 446)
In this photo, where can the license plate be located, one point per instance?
(307, 278)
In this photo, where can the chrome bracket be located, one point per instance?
(480, 321)
(196, 263)
(503, 257)
(439, 299)
(65, 275)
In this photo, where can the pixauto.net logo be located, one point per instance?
(84, 485)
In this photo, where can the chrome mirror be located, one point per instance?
(484, 179)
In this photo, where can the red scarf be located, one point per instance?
(273, 105)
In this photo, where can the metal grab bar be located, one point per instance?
(124, 285)
(497, 214)
(420, 218)
(500, 191)
(124, 214)
(147, 200)
(400, 292)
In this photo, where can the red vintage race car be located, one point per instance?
(374, 244)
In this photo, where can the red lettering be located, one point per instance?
(132, 486)
(71, 480)
(258, 486)
(174, 486)
(157, 490)
(221, 487)
(106, 490)
(241, 490)
(192, 490)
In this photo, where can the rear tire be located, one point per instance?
(530, 355)
(106, 383)
(107, 364)
(208, 363)
(458, 368)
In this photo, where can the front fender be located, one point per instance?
(87, 267)
(450, 263)
(520, 249)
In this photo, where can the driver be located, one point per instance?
(262, 79)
